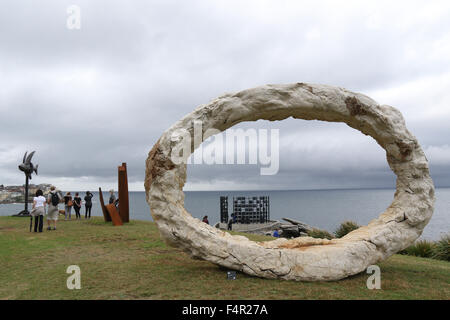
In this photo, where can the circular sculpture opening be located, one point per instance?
(301, 258)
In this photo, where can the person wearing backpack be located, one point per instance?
(53, 200)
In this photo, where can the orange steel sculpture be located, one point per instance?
(110, 212)
(124, 207)
(106, 215)
(115, 217)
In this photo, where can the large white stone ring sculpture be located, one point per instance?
(301, 258)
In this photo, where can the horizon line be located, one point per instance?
(262, 190)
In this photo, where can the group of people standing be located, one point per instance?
(53, 199)
(75, 202)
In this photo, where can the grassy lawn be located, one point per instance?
(131, 262)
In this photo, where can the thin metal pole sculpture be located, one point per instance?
(27, 167)
(124, 208)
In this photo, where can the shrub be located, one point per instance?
(345, 227)
(441, 249)
(421, 248)
(322, 234)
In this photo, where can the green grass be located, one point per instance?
(441, 249)
(321, 234)
(421, 248)
(345, 228)
(131, 262)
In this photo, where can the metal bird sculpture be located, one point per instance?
(27, 166)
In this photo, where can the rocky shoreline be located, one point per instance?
(291, 229)
(16, 194)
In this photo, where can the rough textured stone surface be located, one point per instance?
(302, 258)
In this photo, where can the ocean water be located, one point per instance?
(324, 209)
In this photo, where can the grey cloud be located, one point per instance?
(90, 99)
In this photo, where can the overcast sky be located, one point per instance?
(87, 100)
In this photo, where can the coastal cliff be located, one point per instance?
(16, 194)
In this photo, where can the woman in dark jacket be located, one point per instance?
(77, 205)
(88, 204)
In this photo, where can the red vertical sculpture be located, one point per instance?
(106, 215)
(115, 216)
(109, 211)
(124, 209)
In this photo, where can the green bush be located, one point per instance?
(345, 227)
(322, 234)
(441, 249)
(421, 248)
